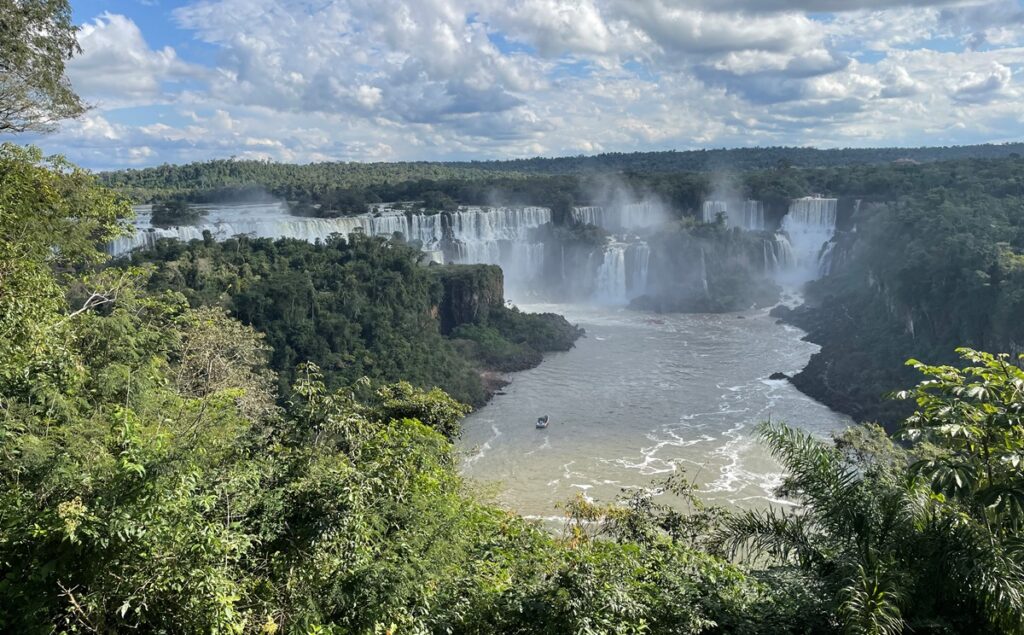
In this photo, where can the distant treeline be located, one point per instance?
(682, 177)
(719, 159)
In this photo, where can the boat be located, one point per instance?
(542, 422)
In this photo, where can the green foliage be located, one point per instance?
(434, 201)
(360, 307)
(52, 216)
(149, 482)
(356, 308)
(175, 213)
(36, 38)
(972, 420)
(679, 178)
(509, 340)
(488, 346)
(434, 409)
(893, 554)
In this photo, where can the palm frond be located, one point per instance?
(784, 537)
(869, 604)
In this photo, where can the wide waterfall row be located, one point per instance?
(477, 234)
(622, 273)
(748, 215)
(810, 226)
(497, 223)
(273, 221)
(618, 218)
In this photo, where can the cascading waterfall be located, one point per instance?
(589, 215)
(618, 218)
(778, 253)
(810, 225)
(753, 215)
(704, 272)
(273, 221)
(611, 275)
(638, 263)
(825, 259)
(500, 236)
(830, 258)
(748, 215)
(623, 272)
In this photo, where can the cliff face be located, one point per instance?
(910, 279)
(468, 294)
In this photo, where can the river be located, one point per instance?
(640, 397)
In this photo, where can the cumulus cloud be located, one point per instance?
(117, 67)
(983, 86)
(401, 79)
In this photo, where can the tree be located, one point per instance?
(973, 422)
(52, 219)
(175, 213)
(893, 554)
(36, 39)
(434, 200)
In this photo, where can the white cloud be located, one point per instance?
(118, 68)
(983, 86)
(303, 80)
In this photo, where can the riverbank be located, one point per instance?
(859, 361)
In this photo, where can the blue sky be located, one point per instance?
(379, 80)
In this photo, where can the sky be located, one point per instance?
(174, 81)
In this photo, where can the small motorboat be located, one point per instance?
(542, 422)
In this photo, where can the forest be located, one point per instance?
(155, 480)
(363, 307)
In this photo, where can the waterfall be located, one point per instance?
(637, 264)
(753, 216)
(825, 259)
(589, 216)
(711, 210)
(273, 221)
(704, 273)
(778, 253)
(611, 275)
(501, 236)
(477, 233)
(748, 215)
(618, 218)
(809, 225)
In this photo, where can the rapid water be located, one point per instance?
(810, 225)
(640, 397)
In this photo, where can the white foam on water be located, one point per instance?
(544, 446)
(485, 447)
